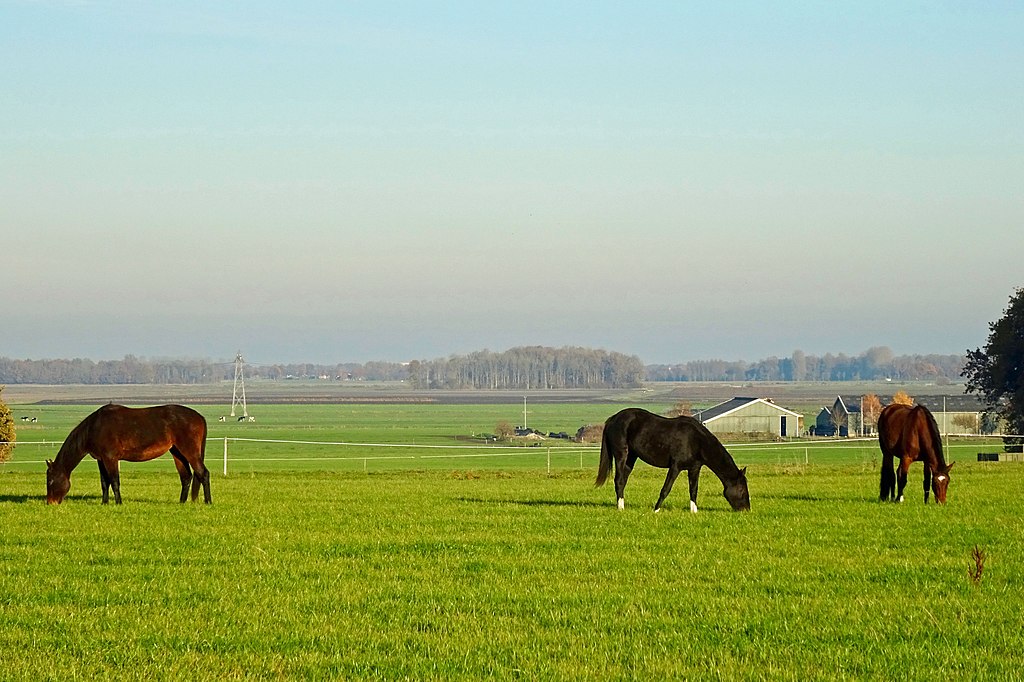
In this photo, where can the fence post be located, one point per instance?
(549, 461)
(225, 457)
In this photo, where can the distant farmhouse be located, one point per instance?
(751, 415)
(953, 413)
(844, 416)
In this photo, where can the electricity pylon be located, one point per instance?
(238, 393)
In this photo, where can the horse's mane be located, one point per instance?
(716, 446)
(933, 429)
(73, 449)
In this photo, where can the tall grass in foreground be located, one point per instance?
(472, 574)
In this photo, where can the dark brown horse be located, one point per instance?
(675, 444)
(910, 434)
(114, 433)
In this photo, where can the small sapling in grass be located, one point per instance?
(974, 572)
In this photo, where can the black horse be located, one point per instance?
(669, 443)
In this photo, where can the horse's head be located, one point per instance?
(736, 492)
(58, 483)
(940, 482)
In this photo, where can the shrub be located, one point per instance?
(591, 433)
(7, 433)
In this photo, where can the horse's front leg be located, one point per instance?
(104, 481)
(901, 478)
(927, 481)
(670, 478)
(623, 467)
(693, 474)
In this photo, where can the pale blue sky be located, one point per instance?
(336, 182)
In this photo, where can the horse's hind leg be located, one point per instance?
(670, 478)
(199, 474)
(201, 477)
(693, 474)
(623, 467)
(901, 478)
(184, 472)
(114, 474)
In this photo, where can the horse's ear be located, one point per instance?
(950, 466)
(743, 472)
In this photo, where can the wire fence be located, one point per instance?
(280, 453)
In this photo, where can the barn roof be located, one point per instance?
(730, 406)
(850, 403)
(953, 403)
(934, 403)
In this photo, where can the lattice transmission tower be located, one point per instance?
(238, 393)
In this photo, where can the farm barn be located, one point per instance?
(953, 414)
(751, 415)
(956, 413)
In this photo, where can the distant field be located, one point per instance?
(418, 436)
(802, 396)
(409, 562)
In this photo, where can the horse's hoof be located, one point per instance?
(622, 504)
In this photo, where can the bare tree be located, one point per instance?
(504, 430)
(837, 418)
(681, 408)
(967, 423)
(871, 407)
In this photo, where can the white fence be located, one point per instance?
(437, 452)
(787, 452)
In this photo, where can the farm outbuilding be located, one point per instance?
(958, 413)
(953, 414)
(751, 415)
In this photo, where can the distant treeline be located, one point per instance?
(875, 363)
(134, 370)
(533, 367)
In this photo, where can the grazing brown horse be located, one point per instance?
(669, 443)
(114, 433)
(910, 434)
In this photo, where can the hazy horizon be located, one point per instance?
(228, 359)
(348, 183)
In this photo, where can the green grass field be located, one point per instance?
(491, 567)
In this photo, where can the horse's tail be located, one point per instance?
(202, 442)
(887, 481)
(887, 484)
(606, 459)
